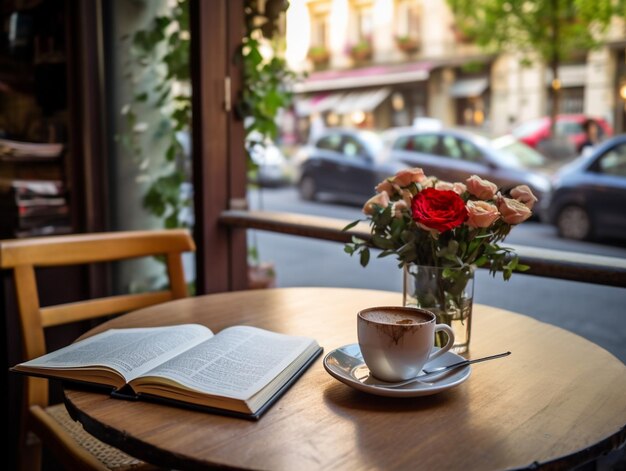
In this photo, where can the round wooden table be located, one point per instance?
(557, 399)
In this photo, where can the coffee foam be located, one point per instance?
(396, 317)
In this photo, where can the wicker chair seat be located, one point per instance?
(110, 457)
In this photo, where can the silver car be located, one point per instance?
(454, 156)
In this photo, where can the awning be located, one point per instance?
(361, 101)
(317, 103)
(341, 103)
(465, 88)
(364, 77)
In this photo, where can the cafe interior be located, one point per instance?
(557, 402)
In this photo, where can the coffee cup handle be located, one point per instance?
(450, 334)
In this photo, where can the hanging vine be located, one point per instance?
(162, 53)
(266, 76)
(161, 80)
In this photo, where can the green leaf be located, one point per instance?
(351, 225)
(480, 261)
(365, 257)
(397, 226)
(141, 97)
(171, 221)
(382, 242)
(254, 56)
(170, 154)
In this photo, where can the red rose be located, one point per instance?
(441, 210)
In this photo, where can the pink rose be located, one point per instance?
(523, 194)
(387, 186)
(398, 209)
(441, 185)
(408, 176)
(513, 211)
(407, 197)
(458, 188)
(428, 182)
(481, 213)
(483, 189)
(381, 199)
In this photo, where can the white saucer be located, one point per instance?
(346, 364)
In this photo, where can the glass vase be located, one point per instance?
(448, 293)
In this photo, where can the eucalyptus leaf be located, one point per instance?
(382, 242)
(351, 225)
(365, 257)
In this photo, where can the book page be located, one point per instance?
(237, 363)
(128, 351)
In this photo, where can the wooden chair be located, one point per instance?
(74, 447)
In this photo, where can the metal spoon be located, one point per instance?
(431, 373)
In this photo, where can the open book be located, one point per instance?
(240, 371)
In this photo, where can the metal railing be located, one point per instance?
(609, 271)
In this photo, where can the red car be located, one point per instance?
(568, 125)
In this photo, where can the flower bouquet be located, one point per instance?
(440, 232)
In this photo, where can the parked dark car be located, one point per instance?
(570, 126)
(345, 164)
(454, 155)
(588, 199)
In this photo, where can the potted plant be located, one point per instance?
(408, 44)
(361, 51)
(319, 55)
(260, 274)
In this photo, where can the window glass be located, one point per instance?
(371, 142)
(568, 128)
(331, 142)
(351, 147)
(365, 23)
(401, 142)
(408, 19)
(319, 30)
(523, 155)
(470, 151)
(614, 161)
(450, 148)
(426, 143)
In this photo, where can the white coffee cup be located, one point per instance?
(396, 342)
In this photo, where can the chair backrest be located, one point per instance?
(24, 255)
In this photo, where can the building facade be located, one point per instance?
(387, 63)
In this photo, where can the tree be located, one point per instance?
(555, 30)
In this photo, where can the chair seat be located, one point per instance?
(109, 456)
